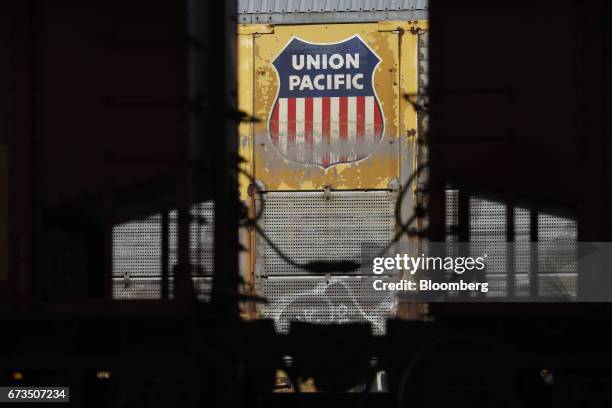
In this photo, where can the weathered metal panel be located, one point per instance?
(245, 104)
(376, 170)
(351, 223)
(396, 75)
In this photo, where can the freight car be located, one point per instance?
(333, 140)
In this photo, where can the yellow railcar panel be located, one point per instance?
(245, 105)
(372, 172)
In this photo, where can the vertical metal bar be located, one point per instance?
(463, 215)
(183, 284)
(592, 66)
(463, 222)
(607, 123)
(510, 249)
(17, 21)
(37, 221)
(4, 216)
(107, 227)
(165, 248)
(534, 251)
(253, 201)
(436, 205)
(182, 270)
(224, 149)
(589, 101)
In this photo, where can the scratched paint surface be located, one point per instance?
(375, 171)
(327, 111)
(396, 44)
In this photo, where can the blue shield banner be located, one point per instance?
(326, 111)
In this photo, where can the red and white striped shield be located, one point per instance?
(326, 111)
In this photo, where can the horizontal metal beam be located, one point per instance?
(331, 17)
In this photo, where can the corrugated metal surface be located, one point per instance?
(303, 6)
(329, 11)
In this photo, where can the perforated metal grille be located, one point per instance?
(451, 214)
(137, 247)
(488, 226)
(136, 288)
(201, 238)
(555, 246)
(137, 253)
(307, 227)
(522, 238)
(487, 221)
(318, 300)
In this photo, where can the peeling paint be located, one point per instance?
(276, 172)
(392, 79)
(395, 76)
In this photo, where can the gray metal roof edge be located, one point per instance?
(326, 6)
(332, 17)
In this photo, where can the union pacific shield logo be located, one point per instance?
(326, 111)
